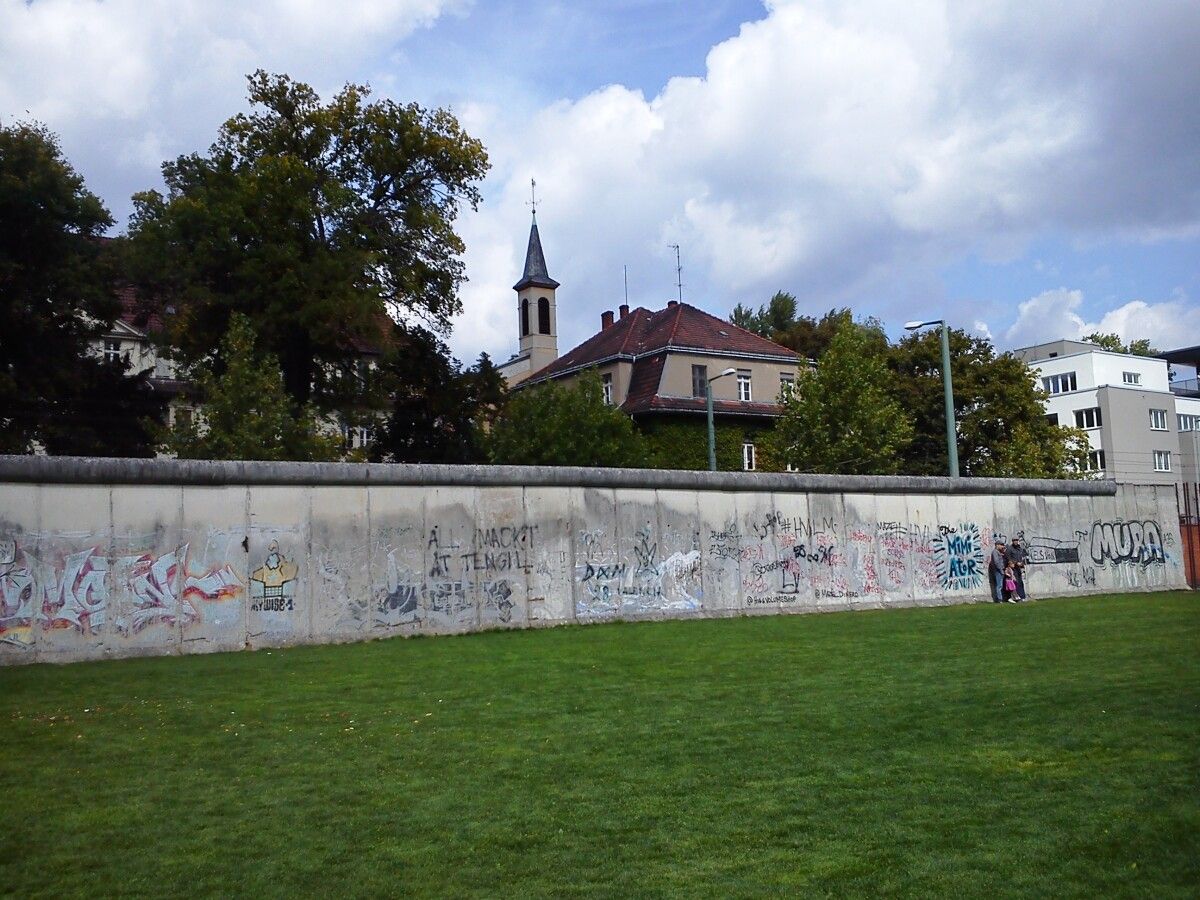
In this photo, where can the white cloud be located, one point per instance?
(845, 151)
(128, 83)
(1053, 315)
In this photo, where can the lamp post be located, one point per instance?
(948, 387)
(712, 435)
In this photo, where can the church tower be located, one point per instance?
(537, 318)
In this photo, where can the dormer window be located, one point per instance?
(112, 350)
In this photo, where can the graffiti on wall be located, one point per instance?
(88, 592)
(959, 557)
(273, 584)
(1138, 543)
(463, 571)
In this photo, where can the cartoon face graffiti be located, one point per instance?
(273, 584)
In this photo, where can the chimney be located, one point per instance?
(624, 310)
(606, 319)
(671, 303)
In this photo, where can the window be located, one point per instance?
(699, 380)
(1162, 460)
(787, 384)
(1095, 461)
(1158, 420)
(1188, 423)
(524, 317)
(1131, 377)
(1087, 418)
(748, 457)
(1059, 384)
(1052, 418)
(112, 350)
(743, 377)
(183, 417)
(543, 315)
(607, 383)
(1052, 355)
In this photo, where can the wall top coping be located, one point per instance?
(102, 470)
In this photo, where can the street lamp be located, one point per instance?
(951, 434)
(712, 436)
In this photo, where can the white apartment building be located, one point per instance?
(1142, 429)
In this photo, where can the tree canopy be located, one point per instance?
(843, 418)
(810, 337)
(438, 411)
(58, 287)
(246, 413)
(552, 424)
(1113, 342)
(1002, 426)
(315, 220)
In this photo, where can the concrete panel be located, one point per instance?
(923, 535)
(826, 551)
(504, 547)
(599, 569)
(981, 511)
(640, 557)
(550, 583)
(71, 575)
(280, 577)
(151, 601)
(769, 573)
(214, 525)
(451, 590)
(960, 551)
(18, 566)
(341, 570)
(679, 564)
(1167, 514)
(893, 549)
(721, 551)
(397, 559)
(864, 587)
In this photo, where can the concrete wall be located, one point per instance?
(112, 558)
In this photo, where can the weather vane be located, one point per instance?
(533, 196)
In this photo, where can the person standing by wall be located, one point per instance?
(1018, 557)
(996, 566)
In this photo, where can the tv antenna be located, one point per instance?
(626, 269)
(678, 271)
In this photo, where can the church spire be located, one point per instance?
(535, 263)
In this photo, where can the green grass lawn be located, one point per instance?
(1045, 749)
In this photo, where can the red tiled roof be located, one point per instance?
(644, 381)
(680, 326)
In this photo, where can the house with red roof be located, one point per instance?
(654, 365)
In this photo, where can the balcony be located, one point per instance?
(1186, 387)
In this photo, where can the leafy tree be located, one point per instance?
(246, 412)
(551, 424)
(1113, 342)
(808, 336)
(681, 442)
(439, 411)
(314, 220)
(843, 418)
(999, 407)
(57, 296)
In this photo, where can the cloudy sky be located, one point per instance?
(1027, 170)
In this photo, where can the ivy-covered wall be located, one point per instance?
(681, 442)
